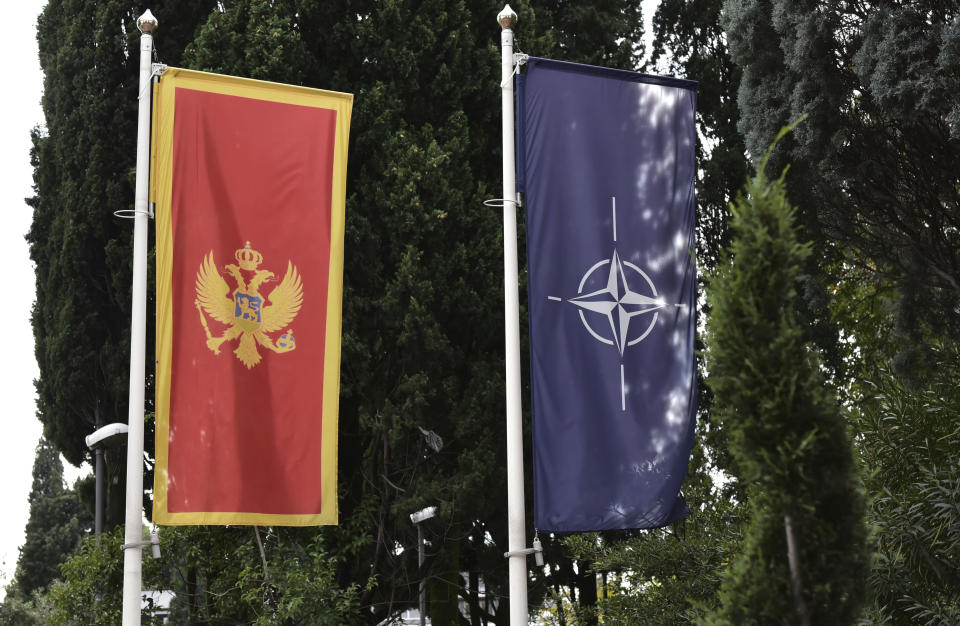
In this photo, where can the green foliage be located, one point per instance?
(217, 575)
(15, 610)
(668, 576)
(254, 40)
(875, 169)
(907, 442)
(308, 593)
(876, 175)
(79, 314)
(91, 590)
(601, 32)
(787, 435)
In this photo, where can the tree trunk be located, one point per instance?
(795, 581)
(587, 585)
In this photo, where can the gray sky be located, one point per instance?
(21, 111)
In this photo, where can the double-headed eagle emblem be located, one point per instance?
(243, 310)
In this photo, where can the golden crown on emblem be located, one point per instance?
(248, 258)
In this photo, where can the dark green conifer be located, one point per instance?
(786, 431)
(83, 158)
(875, 168)
(57, 524)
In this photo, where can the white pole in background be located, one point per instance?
(516, 517)
(133, 528)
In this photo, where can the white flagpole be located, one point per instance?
(516, 521)
(133, 528)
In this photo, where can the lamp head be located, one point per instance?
(108, 436)
(423, 514)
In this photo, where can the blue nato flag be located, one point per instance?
(607, 165)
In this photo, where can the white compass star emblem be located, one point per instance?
(618, 302)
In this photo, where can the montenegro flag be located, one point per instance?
(248, 181)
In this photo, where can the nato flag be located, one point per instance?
(608, 162)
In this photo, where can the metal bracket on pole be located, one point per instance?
(518, 59)
(536, 550)
(158, 69)
(129, 214)
(154, 543)
(499, 203)
(507, 555)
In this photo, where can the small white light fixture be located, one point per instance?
(423, 514)
(108, 436)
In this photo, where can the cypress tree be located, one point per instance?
(803, 559)
(879, 159)
(83, 158)
(57, 524)
(880, 168)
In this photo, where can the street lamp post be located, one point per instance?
(417, 518)
(109, 436)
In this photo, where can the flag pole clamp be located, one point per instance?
(154, 543)
(129, 214)
(500, 202)
(536, 550)
(519, 59)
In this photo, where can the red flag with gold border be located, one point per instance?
(249, 185)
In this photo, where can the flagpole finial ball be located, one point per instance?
(507, 18)
(147, 23)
